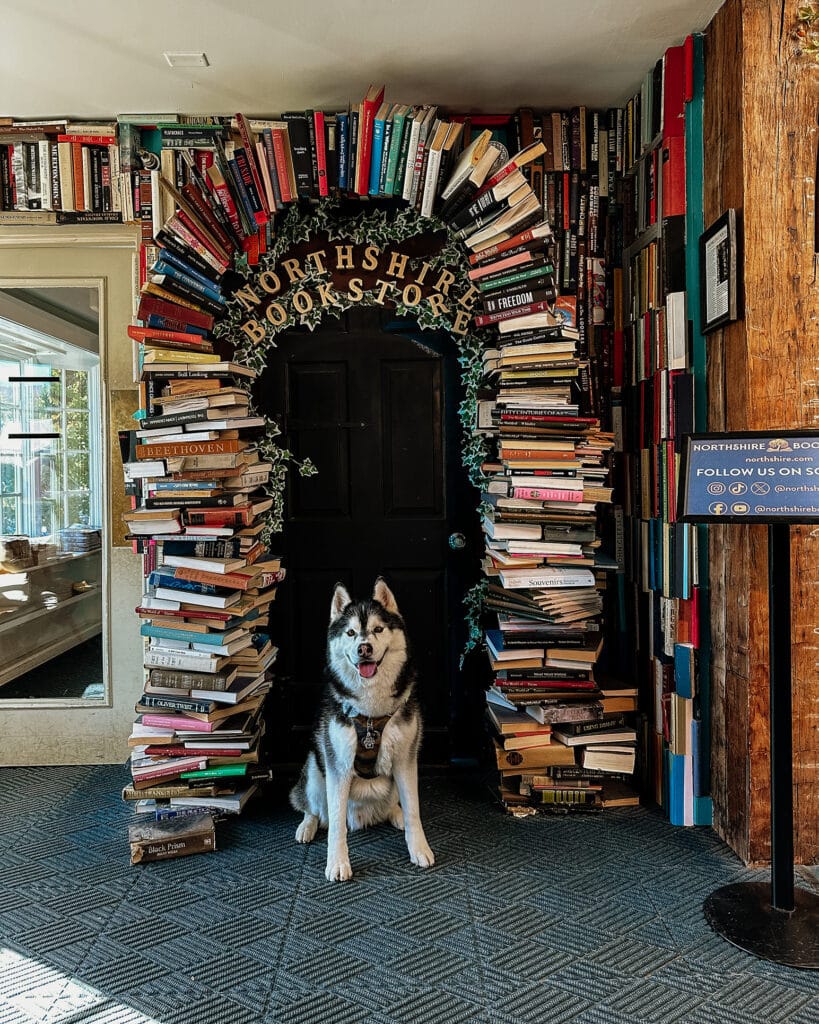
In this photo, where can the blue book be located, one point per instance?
(162, 267)
(683, 664)
(161, 324)
(166, 578)
(353, 162)
(343, 130)
(168, 633)
(240, 191)
(377, 150)
(168, 256)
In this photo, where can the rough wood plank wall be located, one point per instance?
(760, 128)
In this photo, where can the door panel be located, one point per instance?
(368, 408)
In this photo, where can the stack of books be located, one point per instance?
(66, 169)
(196, 481)
(545, 482)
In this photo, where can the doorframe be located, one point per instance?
(53, 731)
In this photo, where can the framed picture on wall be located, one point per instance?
(719, 273)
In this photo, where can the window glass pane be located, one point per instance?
(9, 393)
(76, 431)
(9, 515)
(76, 388)
(45, 396)
(78, 472)
(50, 475)
(79, 509)
(8, 474)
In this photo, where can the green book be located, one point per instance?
(221, 772)
(514, 278)
(398, 119)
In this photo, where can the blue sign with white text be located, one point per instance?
(753, 476)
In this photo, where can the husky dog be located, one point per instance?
(362, 767)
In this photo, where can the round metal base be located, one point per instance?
(742, 914)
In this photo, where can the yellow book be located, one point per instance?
(175, 355)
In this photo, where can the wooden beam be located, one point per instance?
(760, 128)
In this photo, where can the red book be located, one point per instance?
(521, 159)
(89, 140)
(674, 92)
(232, 580)
(219, 187)
(279, 135)
(543, 494)
(150, 304)
(76, 160)
(192, 193)
(250, 151)
(514, 262)
(483, 319)
(182, 449)
(674, 176)
(370, 104)
(177, 751)
(196, 230)
(539, 234)
(321, 153)
(151, 334)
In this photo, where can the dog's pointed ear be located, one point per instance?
(384, 596)
(340, 601)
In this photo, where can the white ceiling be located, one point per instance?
(90, 58)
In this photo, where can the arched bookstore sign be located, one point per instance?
(330, 258)
(773, 478)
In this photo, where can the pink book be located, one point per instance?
(179, 723)
(538, 494)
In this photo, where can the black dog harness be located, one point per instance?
(368, 736)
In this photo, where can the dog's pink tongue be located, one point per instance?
(367, 669)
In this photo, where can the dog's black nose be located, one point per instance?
(365, 650)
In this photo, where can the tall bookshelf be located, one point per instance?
(663, 398)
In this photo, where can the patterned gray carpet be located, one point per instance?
(594, 920)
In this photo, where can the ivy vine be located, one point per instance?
(381, 228)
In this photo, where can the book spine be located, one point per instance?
(483, 319)
(144, 852)
(270, 157)
(201, 707)
(188, 680)
(313, 146)
(343, 123)
(177, 723)
(278, 139)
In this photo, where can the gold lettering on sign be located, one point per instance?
(425, 269)
(382, 291)
(461, 324)
(254, 330)
(469, 297)
(302, 301)
(324, 293)
(316, 257)
(370, 261)
(270, 282)
(293, 268)
(398, 264)
(247, 297)
(437, 304)
(444, 281)
(344, 257)
(356, 290)
(276, 314)
(411, 295)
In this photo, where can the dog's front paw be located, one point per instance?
(421, 854)
(306, 832)
(338, 870)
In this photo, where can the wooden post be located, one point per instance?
(760, 135)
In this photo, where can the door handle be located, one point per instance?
(457, 541)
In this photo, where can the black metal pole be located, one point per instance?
(779, 624)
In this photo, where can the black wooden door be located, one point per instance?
(375, 409)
